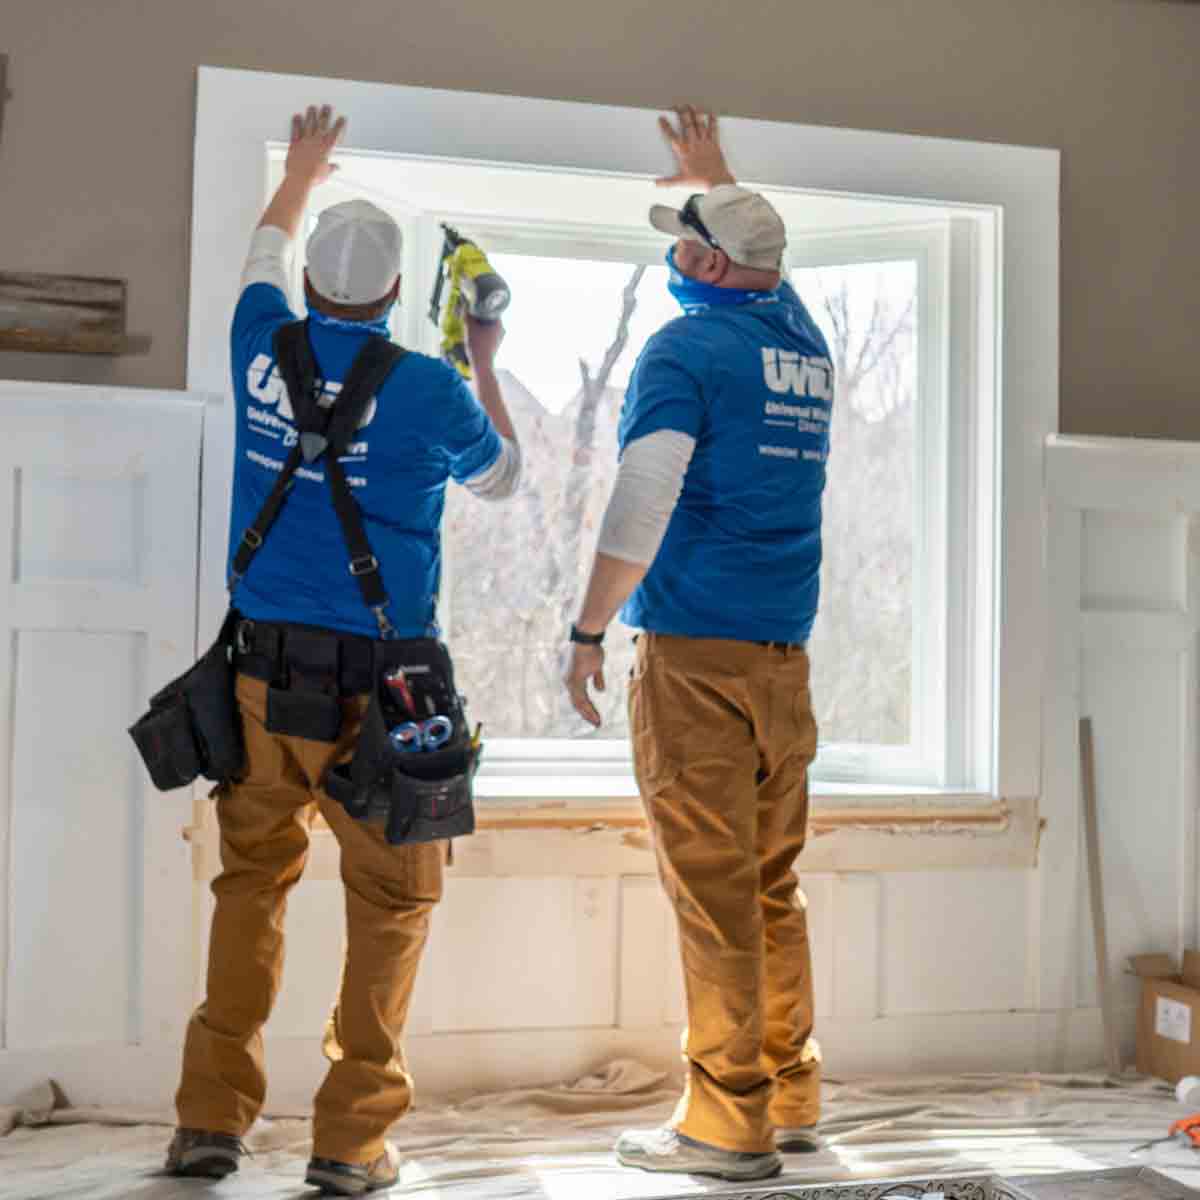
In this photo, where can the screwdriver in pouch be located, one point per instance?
(1186, 1131)
(397, 684)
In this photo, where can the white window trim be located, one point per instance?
(240, 112)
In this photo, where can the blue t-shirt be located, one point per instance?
(423, 428)
(753, 385)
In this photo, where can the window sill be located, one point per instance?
(835, 806)
(877, 831)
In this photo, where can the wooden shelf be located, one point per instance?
(64, 314)
(38, 341)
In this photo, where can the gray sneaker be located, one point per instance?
(335, 1178)
(667, 1150)
(196, 1153)
(798, 1139)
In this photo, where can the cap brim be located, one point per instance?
(666, 220)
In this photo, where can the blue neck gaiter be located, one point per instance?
(379, 325)
(695, 296)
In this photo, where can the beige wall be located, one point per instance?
(95, 159)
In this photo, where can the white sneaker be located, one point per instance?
(666, 1149)
(335, 1178)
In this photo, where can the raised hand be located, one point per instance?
(697, 149)
(315, 134)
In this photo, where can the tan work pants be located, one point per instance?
(723, 735)
(390, 892)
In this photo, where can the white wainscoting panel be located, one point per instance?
(1133, 562)
(99, 515)
(313, 949)
(1123, 585)
(953, 941)
(854, 964)
(1137, 702)
(646, 930)
(76, 830)
(525, 954)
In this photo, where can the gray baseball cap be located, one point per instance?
(741, 222)
(355, 253)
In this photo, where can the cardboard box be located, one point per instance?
(1168, 1031)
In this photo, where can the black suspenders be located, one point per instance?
(325, 430)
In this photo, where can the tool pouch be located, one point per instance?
(309, 706)
(422, 796)
(193, 727)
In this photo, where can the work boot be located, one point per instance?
(196, 1153)
(666, 1149)
(353, 1179)
(798, 1139)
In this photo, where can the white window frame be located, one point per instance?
(240, 112)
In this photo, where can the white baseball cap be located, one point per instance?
(742, 223)
(355, 253)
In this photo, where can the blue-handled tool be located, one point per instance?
(413, 736)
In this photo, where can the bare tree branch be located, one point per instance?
(593, 391)
(880, 346)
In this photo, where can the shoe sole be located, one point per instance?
(203, 1164)
(332, 1184)
(798, 1145)
(730, 1175)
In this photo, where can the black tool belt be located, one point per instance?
(193, 727)
(307, 671)
(422, 795)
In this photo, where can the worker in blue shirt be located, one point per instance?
(304, 624)
(712, 543)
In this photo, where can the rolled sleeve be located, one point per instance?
(500, 480)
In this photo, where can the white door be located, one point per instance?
(99, 512)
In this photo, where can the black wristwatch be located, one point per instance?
(586, 639)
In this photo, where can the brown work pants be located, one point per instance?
(390, 892)
(723, 735)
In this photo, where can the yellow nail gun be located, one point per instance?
(475, 289)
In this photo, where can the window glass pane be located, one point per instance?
(518, 568)
(862, 643)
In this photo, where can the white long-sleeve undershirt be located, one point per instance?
(500, 480)
(649, 482)
(267, 261)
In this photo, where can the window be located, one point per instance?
(570, 181)
(887, 653)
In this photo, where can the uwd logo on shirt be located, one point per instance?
(266, 386)
(788, 372)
